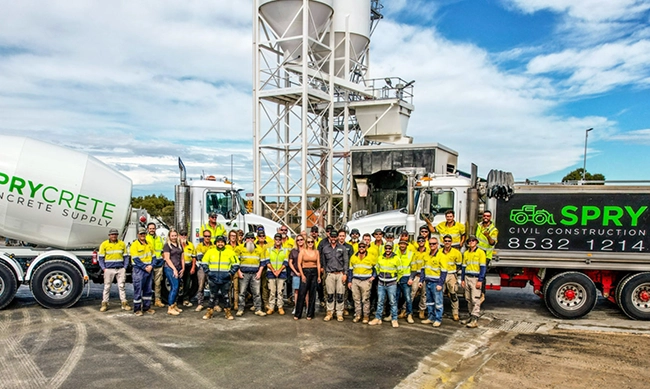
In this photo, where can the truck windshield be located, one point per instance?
(440, 202)
(222, 203)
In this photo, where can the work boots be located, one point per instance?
(375, 322)
(228, 314)
(402, 314)
(125, 306)
(409, 319)
(158, 303)
(208, 314)
(356, 319)
(473, 322)
(176, 308)
(104, 307)
(172, 311)
(422, 315)
(280, 311)
(365, 320)
(455, 317)
(329, 316)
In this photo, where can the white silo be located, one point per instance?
(285, 18)
(352, 16)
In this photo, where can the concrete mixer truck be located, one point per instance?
(63, 203)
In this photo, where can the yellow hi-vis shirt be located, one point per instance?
(220, 260)
(157, 244)
(188, 253)
(456, 231)
(454, 259)
(200, 251)
(112, 254)
(483, 242)
(405, 259)
(361, 268)
(141, 254)
(217, 230)
(434, 266)
(251, 262)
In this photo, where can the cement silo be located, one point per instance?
(286, 19)
(351, 16)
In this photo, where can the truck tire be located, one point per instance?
(634, 297)
(619, 287)
(8, 285)
(570, 295)
(57, 284)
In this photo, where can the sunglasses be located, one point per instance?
(310, 241)
(447, 241)
(433, 244)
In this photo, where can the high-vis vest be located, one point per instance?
(454, 259)
(277, 258)
(362, 267)
(112, 254)
(141, 252)
(473, 261)
(456, 231)
(188, 253)
(387, 268)
(434, 265)
(201, 249)
(405, 259)
(250, 262)
(483, 242)
(217, 230)
(220, 260)
(157, 244)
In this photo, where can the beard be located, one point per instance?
(250, 247)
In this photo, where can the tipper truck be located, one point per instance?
(64, 202)
(569, 242)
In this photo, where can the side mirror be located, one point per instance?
(426, 203)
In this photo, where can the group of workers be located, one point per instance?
(369, 274)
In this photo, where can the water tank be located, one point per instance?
(357, 14)
(285, 18)
(56, 197)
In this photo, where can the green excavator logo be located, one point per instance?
(530, 213)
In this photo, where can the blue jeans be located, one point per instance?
(434, 302)
(173, 283)
(405, 290)
(382, 292)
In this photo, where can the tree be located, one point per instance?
(576, 175)
(157, 206)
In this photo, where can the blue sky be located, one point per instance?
(509, 84)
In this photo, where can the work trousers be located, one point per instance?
(386, 292)
(361, 296)
(201, 278)
(188, 280)
(157, 281)
(308, 287)
(415, 289)
(435, 302)
(451, 287)
(473, 296)
(142, 293)
(276, 290)
(234, 291)
(404, 289)
(246, 283)
(219, 291)
(264, 286)
(335, 289)
(174, 284)
(109, 275)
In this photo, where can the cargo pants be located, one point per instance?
(473, 296)
(109, 276)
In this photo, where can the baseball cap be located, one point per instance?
(389, 244)
(183, 233)
(447, 237)
(390, 235)
(249, 235)
(363, 244)
(404, 232)
(314, 228)
(260, 228)
(212, 214)
(378, 231)
(277, 236)
(421, 239)
(424, 228)
(113, 231)
(142, 230)
(472, 237)
(220, 238)
(333, 234)
(329, 227)
(354, 231)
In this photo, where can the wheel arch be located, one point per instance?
(56, 254)
(13, 265)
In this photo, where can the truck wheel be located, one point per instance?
(570, 295)
(57, 284)
(634, 297)
(8, 285)
(619, 287)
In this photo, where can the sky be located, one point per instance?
(509, 84)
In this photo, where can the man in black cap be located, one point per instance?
(315, 233)
(354, 239)
(215, 228)
(113, 259)
(335, 262)
(220, 265)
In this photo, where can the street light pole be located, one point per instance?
(584, 164)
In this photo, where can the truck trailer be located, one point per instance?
(569, 242)
(64, 202)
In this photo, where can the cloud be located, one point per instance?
(635, 137)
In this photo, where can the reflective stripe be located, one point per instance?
(137, 301)
(382, 279)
